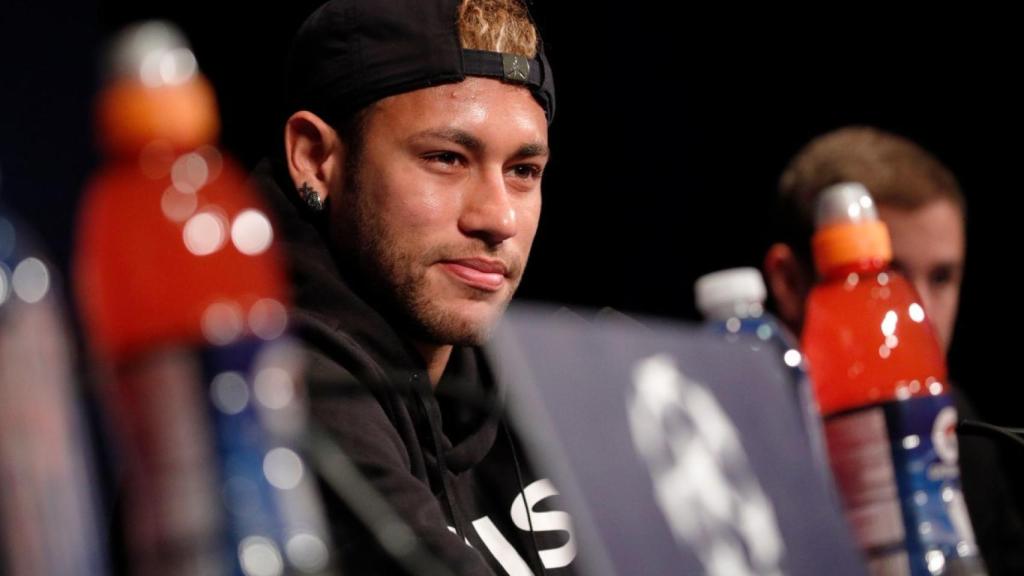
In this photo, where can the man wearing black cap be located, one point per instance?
(408, 199)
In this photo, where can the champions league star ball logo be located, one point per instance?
(702, 479)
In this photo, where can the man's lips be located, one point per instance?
(479, 273)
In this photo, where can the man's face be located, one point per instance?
(443, 204)
(928, 248)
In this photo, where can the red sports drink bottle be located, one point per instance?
(880, 379)
(183, 294)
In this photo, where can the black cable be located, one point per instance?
(978, 428)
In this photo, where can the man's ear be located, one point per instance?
(789, 284)
(314, 153)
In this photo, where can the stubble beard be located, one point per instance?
(396, 280)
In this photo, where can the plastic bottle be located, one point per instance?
(49, 506)
(184, 296)
(880, 379)
(732, 301)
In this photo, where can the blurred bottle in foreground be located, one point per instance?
(49, 495)
(183, 295)
(880, 379)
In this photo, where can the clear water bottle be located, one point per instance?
(733, 301)
(49, 506)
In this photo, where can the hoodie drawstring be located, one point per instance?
(522, 493)
(442, 466)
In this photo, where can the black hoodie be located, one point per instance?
(444, 460)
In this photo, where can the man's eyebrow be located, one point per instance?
(460, 137)
(474, 144)
(532, 150)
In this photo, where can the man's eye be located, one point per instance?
(527, 171)
(448, 158)
(941, 276)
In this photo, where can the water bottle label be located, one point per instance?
(896, 466)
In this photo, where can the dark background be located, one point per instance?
(671, 131)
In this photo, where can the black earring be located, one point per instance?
(309, 196)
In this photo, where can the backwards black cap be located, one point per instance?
(351, 53)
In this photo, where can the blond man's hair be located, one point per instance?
(497, 26)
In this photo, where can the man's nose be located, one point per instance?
(923, 293)
(488, 210)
